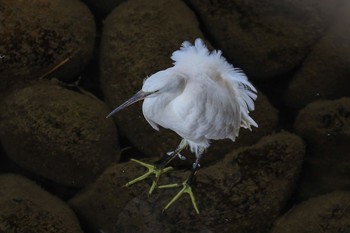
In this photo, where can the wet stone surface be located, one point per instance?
(26, 207)
(324, 74)
(265, 38)
(57, 133)
(328, 213)
(35, 36)
(248, 193)
(325, 126)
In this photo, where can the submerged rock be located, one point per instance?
(244, 192)
(325, 72)
(25, 207)
(99, 204)
(323, 214)
(59, 134)
(35, 36)
(325, 126)
(265, 38)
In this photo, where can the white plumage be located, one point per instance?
(202, 97)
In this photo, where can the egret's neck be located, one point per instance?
(159, 102)
(158, 107)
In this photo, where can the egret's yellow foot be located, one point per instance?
(152, 169)
(185, 189)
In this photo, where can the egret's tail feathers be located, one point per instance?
(244, 90)
(247, 124)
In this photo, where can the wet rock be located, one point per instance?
(25, 207)
(35, 36)
(324, 214)
(265, 38)
(325, 72)
(325, 126)
(107, 206)
(244, 192)
(143, 215)
(99, 204)
(59, 134)
(138, 40)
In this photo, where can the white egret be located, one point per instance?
(201, 98)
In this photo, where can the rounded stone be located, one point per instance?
(57, 133)
(265, 38)
(325, 72)
(25, 207)
(99, 204)
(325, 126)
(244, 192)
(35, 36)
(323, 214)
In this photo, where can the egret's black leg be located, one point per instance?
(186, 186)
(195, 168)
(167, 159)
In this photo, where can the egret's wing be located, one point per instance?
(245, 95)
(224, 103)
(223, 111)
(203, 111)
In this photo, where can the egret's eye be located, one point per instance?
(151, 93)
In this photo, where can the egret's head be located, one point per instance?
(165, 81)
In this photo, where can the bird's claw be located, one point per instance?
(152, 169)
(185, 189)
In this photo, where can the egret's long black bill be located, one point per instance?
(137, 97)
